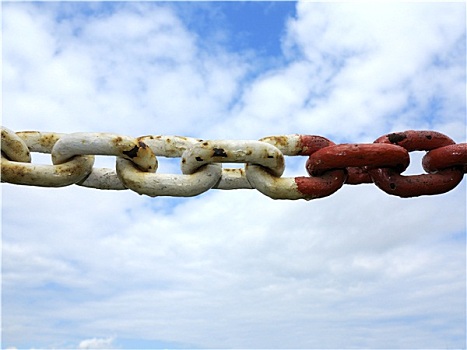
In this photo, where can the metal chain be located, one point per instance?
(329, 166)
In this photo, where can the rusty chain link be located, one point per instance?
(329, 165)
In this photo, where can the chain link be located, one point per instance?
(17, 167)
(329, 166)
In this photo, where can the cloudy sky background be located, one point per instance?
(83, 268)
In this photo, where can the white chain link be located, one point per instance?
(18, 169)
(136, 163)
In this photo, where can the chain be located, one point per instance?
(329, 165)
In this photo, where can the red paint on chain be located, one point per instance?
(446, 157)
(369, 156)
(321, 186)
(413, 140)
(356, 176)
(392, 182)
(309, 144)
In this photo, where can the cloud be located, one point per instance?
(73, 69)
(96, 343)
(379, 73)
(175, 273)
(362, 69)
(233, 268)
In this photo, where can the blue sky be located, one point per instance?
(256, 26)
(83, 268)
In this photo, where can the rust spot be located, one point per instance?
(12, 172)
(17, 149)
(219, 152)
(234, 170)
(396, 137)
(118, 139)
(48, 141)
(199, 159)
(131, 153)
(278, 141)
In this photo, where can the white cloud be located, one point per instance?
(175, 273)
(234, 268)
(359, 70)
(96, 343)
(136, 66)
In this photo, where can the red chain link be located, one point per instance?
(318, 186)
(390, 180)
(383, 161)
(417, 140)
(446, 157)
(367, 156)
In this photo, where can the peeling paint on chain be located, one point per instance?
(132, 153)
(396, 137)
(219, 152)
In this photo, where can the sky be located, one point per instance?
(92, 269)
